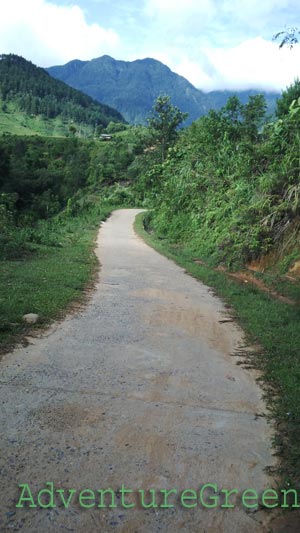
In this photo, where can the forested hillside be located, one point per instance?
(132, 86)
(30, 90)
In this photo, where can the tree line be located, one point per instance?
(229, 185)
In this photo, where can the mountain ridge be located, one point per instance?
(131, 87)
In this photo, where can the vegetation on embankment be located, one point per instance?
(229, 188)
(50, 275)
(53, 195)
(40, 177)
(273, 327)
(228, 194)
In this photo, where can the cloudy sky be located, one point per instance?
(215, 44)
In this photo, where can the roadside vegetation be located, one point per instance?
(226, 199)
(50, 274)
(54, 192)
(273, 328)
(230, 187)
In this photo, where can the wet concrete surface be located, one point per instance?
(138, 389)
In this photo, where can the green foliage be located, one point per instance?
(119, 195)
(53, 275)
(35, 93)
(12, 239)
(288, 96)
(114, 127)
(43, 173)
(230, 188)
(253, 114)
(165, 120)
(41, 178)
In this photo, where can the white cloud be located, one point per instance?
(256, 11)
(219, 22)
(173, 7)
(255, 63)
(193, 72)
(180, 15)
(213, 43)
(48, 34)
(219, 44)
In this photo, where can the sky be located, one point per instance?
(215, 44)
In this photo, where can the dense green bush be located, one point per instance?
(230, 188)
(43, 181)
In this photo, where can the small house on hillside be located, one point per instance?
(105, 137)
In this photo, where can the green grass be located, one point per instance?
(275, 327)
(48, 279)
(15, 122)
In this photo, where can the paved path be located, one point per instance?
(138, 389)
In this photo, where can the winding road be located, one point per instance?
(138, 389)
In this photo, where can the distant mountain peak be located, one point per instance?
(132, 87)
(105, 57)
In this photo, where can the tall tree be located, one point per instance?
(253, 114)
(165, 120)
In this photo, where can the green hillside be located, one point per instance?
(132, 87)
(32, 102)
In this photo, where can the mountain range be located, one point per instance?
(132, 87)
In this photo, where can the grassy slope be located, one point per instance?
(18, 123)
(274, 326)
(50, 279)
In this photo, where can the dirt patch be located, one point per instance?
(200, 262)
(286, 523)
(246, 277)
(197, 322)
(294, 271)
(65, 416)
(263, 263)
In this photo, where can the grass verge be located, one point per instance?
(275, 327)
(50, 278)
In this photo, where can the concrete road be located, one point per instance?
(139, 390)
